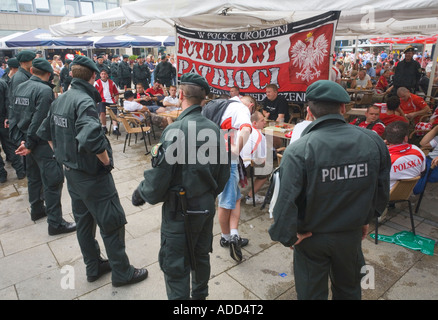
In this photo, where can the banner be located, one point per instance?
(292, 56)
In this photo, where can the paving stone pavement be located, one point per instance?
(34, 265)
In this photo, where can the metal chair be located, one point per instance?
(113, 116)
(401, 192)
(133, 126)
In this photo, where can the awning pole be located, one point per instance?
(432, 72)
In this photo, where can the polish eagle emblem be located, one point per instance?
(308, 55)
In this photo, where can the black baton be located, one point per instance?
(187, 228)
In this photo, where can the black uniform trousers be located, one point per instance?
(337, 256)
(44, 182)
(174, 256)
(9, 149)
(95, 201)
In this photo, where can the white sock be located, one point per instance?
(234, 232)
(115, 127)
(227, 237)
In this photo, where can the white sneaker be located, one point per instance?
(258, 199)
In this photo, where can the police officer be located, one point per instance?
(114, 67)
(101, 65)
(186, 240)
(65, 76)
(31, 105)
(73, 121)
(12, 68)
(124, 73)
(407, 72)
(165, 71)
(7, 144)
(333, 181)
(141, 73)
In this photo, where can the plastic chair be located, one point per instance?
(401, 192)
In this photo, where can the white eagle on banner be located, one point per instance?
(309, 57)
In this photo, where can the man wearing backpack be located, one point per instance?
(235, 119)
(371, 121)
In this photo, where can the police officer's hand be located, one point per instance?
(137, 200)
(301, 237)
(22, 150)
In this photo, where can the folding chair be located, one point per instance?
(428, 173)
(133, 126)
(295, 112)
(401, 192)
(113, 117)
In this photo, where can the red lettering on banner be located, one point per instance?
(230, 57)
(207, 51)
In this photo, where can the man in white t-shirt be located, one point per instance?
(236, 119)
(130, 105)
(255, 150)
(335, 73)
(171, 100)
(407, 160)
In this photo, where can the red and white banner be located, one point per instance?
(292, 56)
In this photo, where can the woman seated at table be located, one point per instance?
(362, 81)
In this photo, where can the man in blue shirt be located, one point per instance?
(371, 72)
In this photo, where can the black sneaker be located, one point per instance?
(105, 130)
(21, 175)
(34, 216)
(64, 227)
(139, 275)
(225, 243)
(104, 267)
(235, 251)
(116, 132)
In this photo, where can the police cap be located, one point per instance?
(13, 63)
(125, 56)
(195, 79)
(25, 55)
(86, 62)
(326, 90)
(409, 49)
(42, 64)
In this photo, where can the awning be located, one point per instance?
(43, 38)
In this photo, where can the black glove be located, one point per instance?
(137, 200)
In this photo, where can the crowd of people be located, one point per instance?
(45, 111)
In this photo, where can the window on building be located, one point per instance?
(72, 9)
(99, 6)
(86, 8)
(9, 5)
(57, 7)
(42, 6)
(25, 5)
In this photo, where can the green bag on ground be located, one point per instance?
(409, 240)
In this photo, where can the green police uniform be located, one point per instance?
(74, 128)
(114, 68)
(333, 180)
(124, 73)
(8, 146)
(202, 182)
(407, 74)
(141, 74)
(31, 103)
(165, 72)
